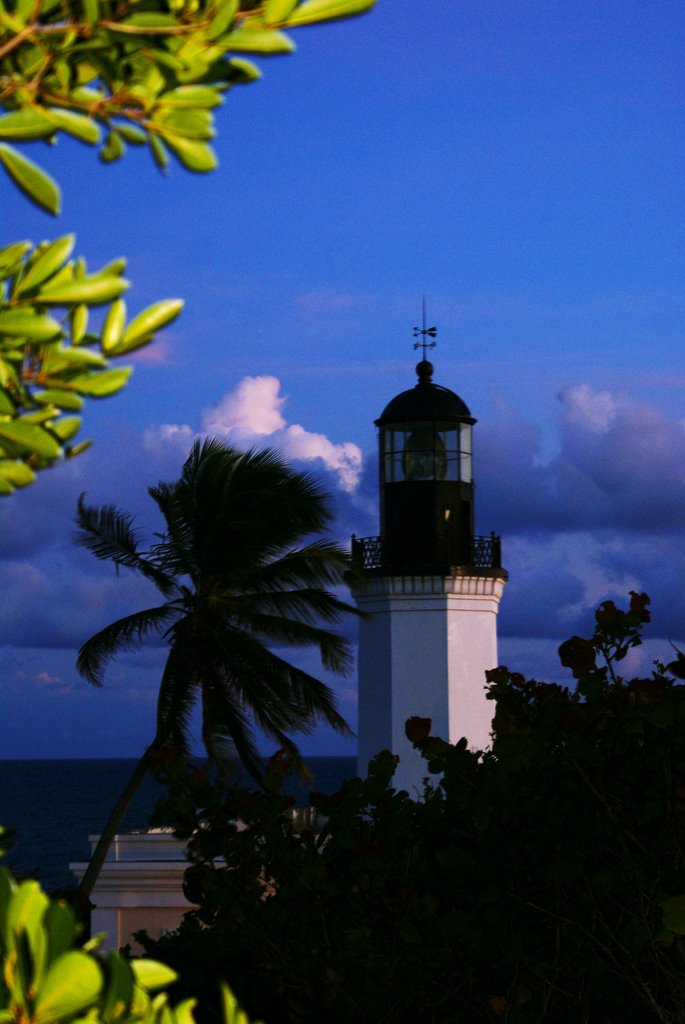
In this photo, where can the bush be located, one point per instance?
(541, 881)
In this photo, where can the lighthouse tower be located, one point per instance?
(430, 588)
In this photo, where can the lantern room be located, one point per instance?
(426, 486)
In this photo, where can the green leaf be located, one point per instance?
(243, 71)
(24, 931)
(91, 12)
(193, 96)
(7, 406)
(60, 925)
(11, 257)
(61, 399)
(114, 267)
(100, 385)
(149, 19)
(41, 416)
(31, 438)
(66, 428)
(191, 124)
(119, 987)
(151, 975)
(223, 19)
(72, 450)
(16, 473)
(79, 323)
(159, 152)
(131, 133)
(73, 983)
(47, 263)
(322, 10)
(276, 11)
(62, 356)
(259, 41)
(183, 1012)
(232, 1014)
(90, 97)
(113, 326)
(113, 148)
(20, 323)
(195, 156)
(22, 10)
(93, 290)
(31, 179)
(152, 319)
(26, 124)
(26, 909)
(81, 127)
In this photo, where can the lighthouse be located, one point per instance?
(429, 587)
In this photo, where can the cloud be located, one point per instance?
(251, 415)
(590, 410)
(156, 354)
(46, 678)
(620, 464)
(169, 440)
(62, 599)
(253, 409)
(599, 517)
(252, 412)
(343, 459)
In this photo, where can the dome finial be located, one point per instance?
(424, 333)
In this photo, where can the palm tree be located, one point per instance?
(240, 567)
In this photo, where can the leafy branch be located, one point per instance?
(109, 73)
(118, 72)
(51, 360)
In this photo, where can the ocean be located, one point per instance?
(53, 806)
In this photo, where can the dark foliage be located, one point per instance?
(538, 882)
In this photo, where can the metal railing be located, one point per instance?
(372, 555)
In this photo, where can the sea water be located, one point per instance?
(53, 806)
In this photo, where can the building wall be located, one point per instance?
(423, 650)
(140, 887)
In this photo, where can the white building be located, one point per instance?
(430, 587)
(140, 887)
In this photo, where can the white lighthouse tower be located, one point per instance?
(430, 588)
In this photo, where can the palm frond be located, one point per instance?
(305, 605)
(109, 534)
(177, 693)
(175, 549)
(321, 564)
(125, 633)
(249, 507)
(224, 721)
(281, 630)
(279, 695)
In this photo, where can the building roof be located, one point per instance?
(425, 401)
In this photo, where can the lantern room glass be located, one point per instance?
(426, 451)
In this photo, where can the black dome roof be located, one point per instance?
(425, 401)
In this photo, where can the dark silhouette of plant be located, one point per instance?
(241, 569)
(541, 882)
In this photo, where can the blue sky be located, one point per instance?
(521, 166)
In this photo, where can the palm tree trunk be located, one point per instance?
(101, 850)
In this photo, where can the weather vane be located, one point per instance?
(425, 333)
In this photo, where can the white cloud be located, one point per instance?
(343, 459)
(252, 410)
(594, 410)
(170, 437)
